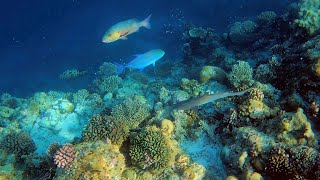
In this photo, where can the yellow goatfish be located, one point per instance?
(122, 29)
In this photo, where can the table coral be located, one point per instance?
(243, 32)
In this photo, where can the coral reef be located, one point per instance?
(212, 73)
(309, 13)
(107, 84)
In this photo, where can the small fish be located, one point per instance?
(143, 60)
(122, 29)
(191, 103)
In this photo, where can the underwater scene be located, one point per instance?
(152, 90)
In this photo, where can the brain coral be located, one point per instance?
(131, 111)
(18, 143)
(102, 127)
(149, 150)
(241, 75)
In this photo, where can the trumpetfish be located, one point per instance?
(206, 98)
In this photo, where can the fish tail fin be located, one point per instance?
(120, 67)
(146, 22)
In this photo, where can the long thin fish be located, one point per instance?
(191, 103)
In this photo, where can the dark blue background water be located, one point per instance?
(42, 38)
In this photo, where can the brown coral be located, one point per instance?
(64, 156)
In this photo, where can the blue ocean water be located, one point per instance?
(39, 39)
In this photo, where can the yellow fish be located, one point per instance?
(122, 29)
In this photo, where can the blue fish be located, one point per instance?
(143, 60)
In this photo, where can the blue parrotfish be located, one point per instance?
(143, 60)
(206, 98)
(122, 29)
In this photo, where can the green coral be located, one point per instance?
(309, 16)
(108, 69)
(131, 111)
(107, 84)
(149, 150)
(18, 144)
(241, 75)
(192, 87)
(102, 127)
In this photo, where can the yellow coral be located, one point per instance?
(256, 109)
(211, 72)
(317, 68)
(232, 178)
(242, 159)
(309, 15)
(296, 122)
(167, 127)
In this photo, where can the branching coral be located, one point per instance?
(266, 18)
(107, 84)
(108, 69)
(241, 75)
(18, 143)
(95, 160)
(104, 128)
(64, 156)
(149, 150)
(131, 111)
(191, 86)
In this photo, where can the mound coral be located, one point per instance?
(107, 84)
(212, 73)
(309, 16)
(64, 156)
(243, 32)
(296, 129)
(104, 128)
(241, 75)
(108, 69)
(266, 18)
(131, 111)
(149, 150)
(18, 144)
